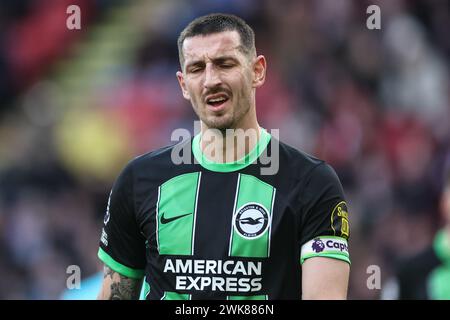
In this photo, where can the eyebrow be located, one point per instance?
(220, 59)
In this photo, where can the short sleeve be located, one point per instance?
(324, 224)
(122, 246)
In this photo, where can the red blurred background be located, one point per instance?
(76, 105)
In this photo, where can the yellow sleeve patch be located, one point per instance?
(339, 220)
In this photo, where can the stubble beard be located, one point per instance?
(229, 120)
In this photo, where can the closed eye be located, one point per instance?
(195, 70)
(195, 67)
(227, 65)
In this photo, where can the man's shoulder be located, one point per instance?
(301, 162)
(298, 155)
(159, 164)
(165, 156)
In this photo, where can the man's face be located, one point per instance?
(219, 79)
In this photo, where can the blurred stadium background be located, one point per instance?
(76, 105)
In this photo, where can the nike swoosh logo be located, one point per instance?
(164, 220)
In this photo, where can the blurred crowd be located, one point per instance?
(375, 104)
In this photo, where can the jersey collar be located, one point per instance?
(248, 159)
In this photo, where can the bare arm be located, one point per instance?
(118, 287)
(325, 279)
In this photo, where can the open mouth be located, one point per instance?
(217, 101)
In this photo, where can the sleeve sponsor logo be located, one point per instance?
(338, 245)
(339, 220)
(325, 245)
(317, 245)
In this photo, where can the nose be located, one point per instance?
(212, 77)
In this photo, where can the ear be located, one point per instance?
(180, 78)
(259, 71)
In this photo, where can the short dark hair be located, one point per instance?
(215, 23)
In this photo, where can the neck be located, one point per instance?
(229, 145)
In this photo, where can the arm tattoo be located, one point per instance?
(122, 288)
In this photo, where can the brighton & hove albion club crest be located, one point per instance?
(251, 220)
